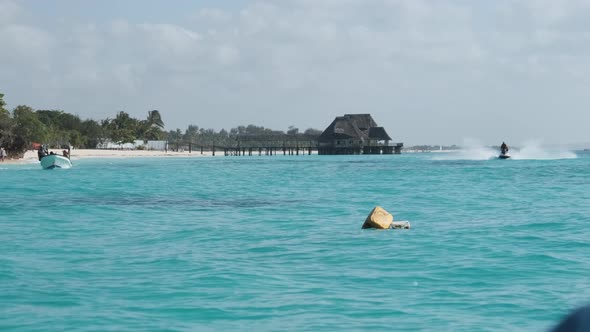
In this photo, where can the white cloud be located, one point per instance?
(228, 55)
(22, 43)
(171, 37)
(304, 61)
(9, 11)
(212, 16)
(550, 12)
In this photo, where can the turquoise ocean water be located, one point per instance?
(275, 243)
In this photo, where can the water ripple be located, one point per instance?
(275, 243)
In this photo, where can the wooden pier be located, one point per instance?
(273, 144)
(348, 134)
(389, 148)
(284, 144)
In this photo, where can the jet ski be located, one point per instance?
(504, 153)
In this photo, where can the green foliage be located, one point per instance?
(155, 119)
(122, 129)
(74, 138)
(27, 127)
(192, 134)
(6, 126)
(92, 132)
(62, 128)
(312, 132)
(152, 133)
(2, 104)
(57, 128)
(209, 137)
(151, 128)
(292, 130)
(6, 130)
(59, 119)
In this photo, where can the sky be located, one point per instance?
(430, 72)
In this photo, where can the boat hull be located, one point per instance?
(55, 161)
(504, 156)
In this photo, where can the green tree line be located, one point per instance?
(209, 137)
(23, 126)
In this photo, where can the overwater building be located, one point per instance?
(356, 134)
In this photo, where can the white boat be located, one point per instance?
(52, 161)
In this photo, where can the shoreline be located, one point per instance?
(30, 156)
(77, 154)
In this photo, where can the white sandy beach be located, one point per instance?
(76, 154)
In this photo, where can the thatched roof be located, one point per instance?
(360, 126)
(379, 134)
(362, 121)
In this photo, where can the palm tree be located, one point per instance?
(155, 119)
(122, 129)
(151, 128)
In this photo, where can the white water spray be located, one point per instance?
(471, 150)
(532, 150)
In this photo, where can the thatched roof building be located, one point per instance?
(355, 134)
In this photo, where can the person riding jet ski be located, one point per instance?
(504, 148)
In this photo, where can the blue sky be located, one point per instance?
(435, 72)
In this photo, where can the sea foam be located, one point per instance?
(530, 150)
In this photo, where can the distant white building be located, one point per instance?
(156, 145)
(137, 144)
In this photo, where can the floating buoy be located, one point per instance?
(381, 219)
(378, 218)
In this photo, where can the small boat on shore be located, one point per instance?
(52, 161)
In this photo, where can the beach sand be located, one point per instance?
(76, 154)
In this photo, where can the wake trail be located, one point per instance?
(535, 152)
(472, 150)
